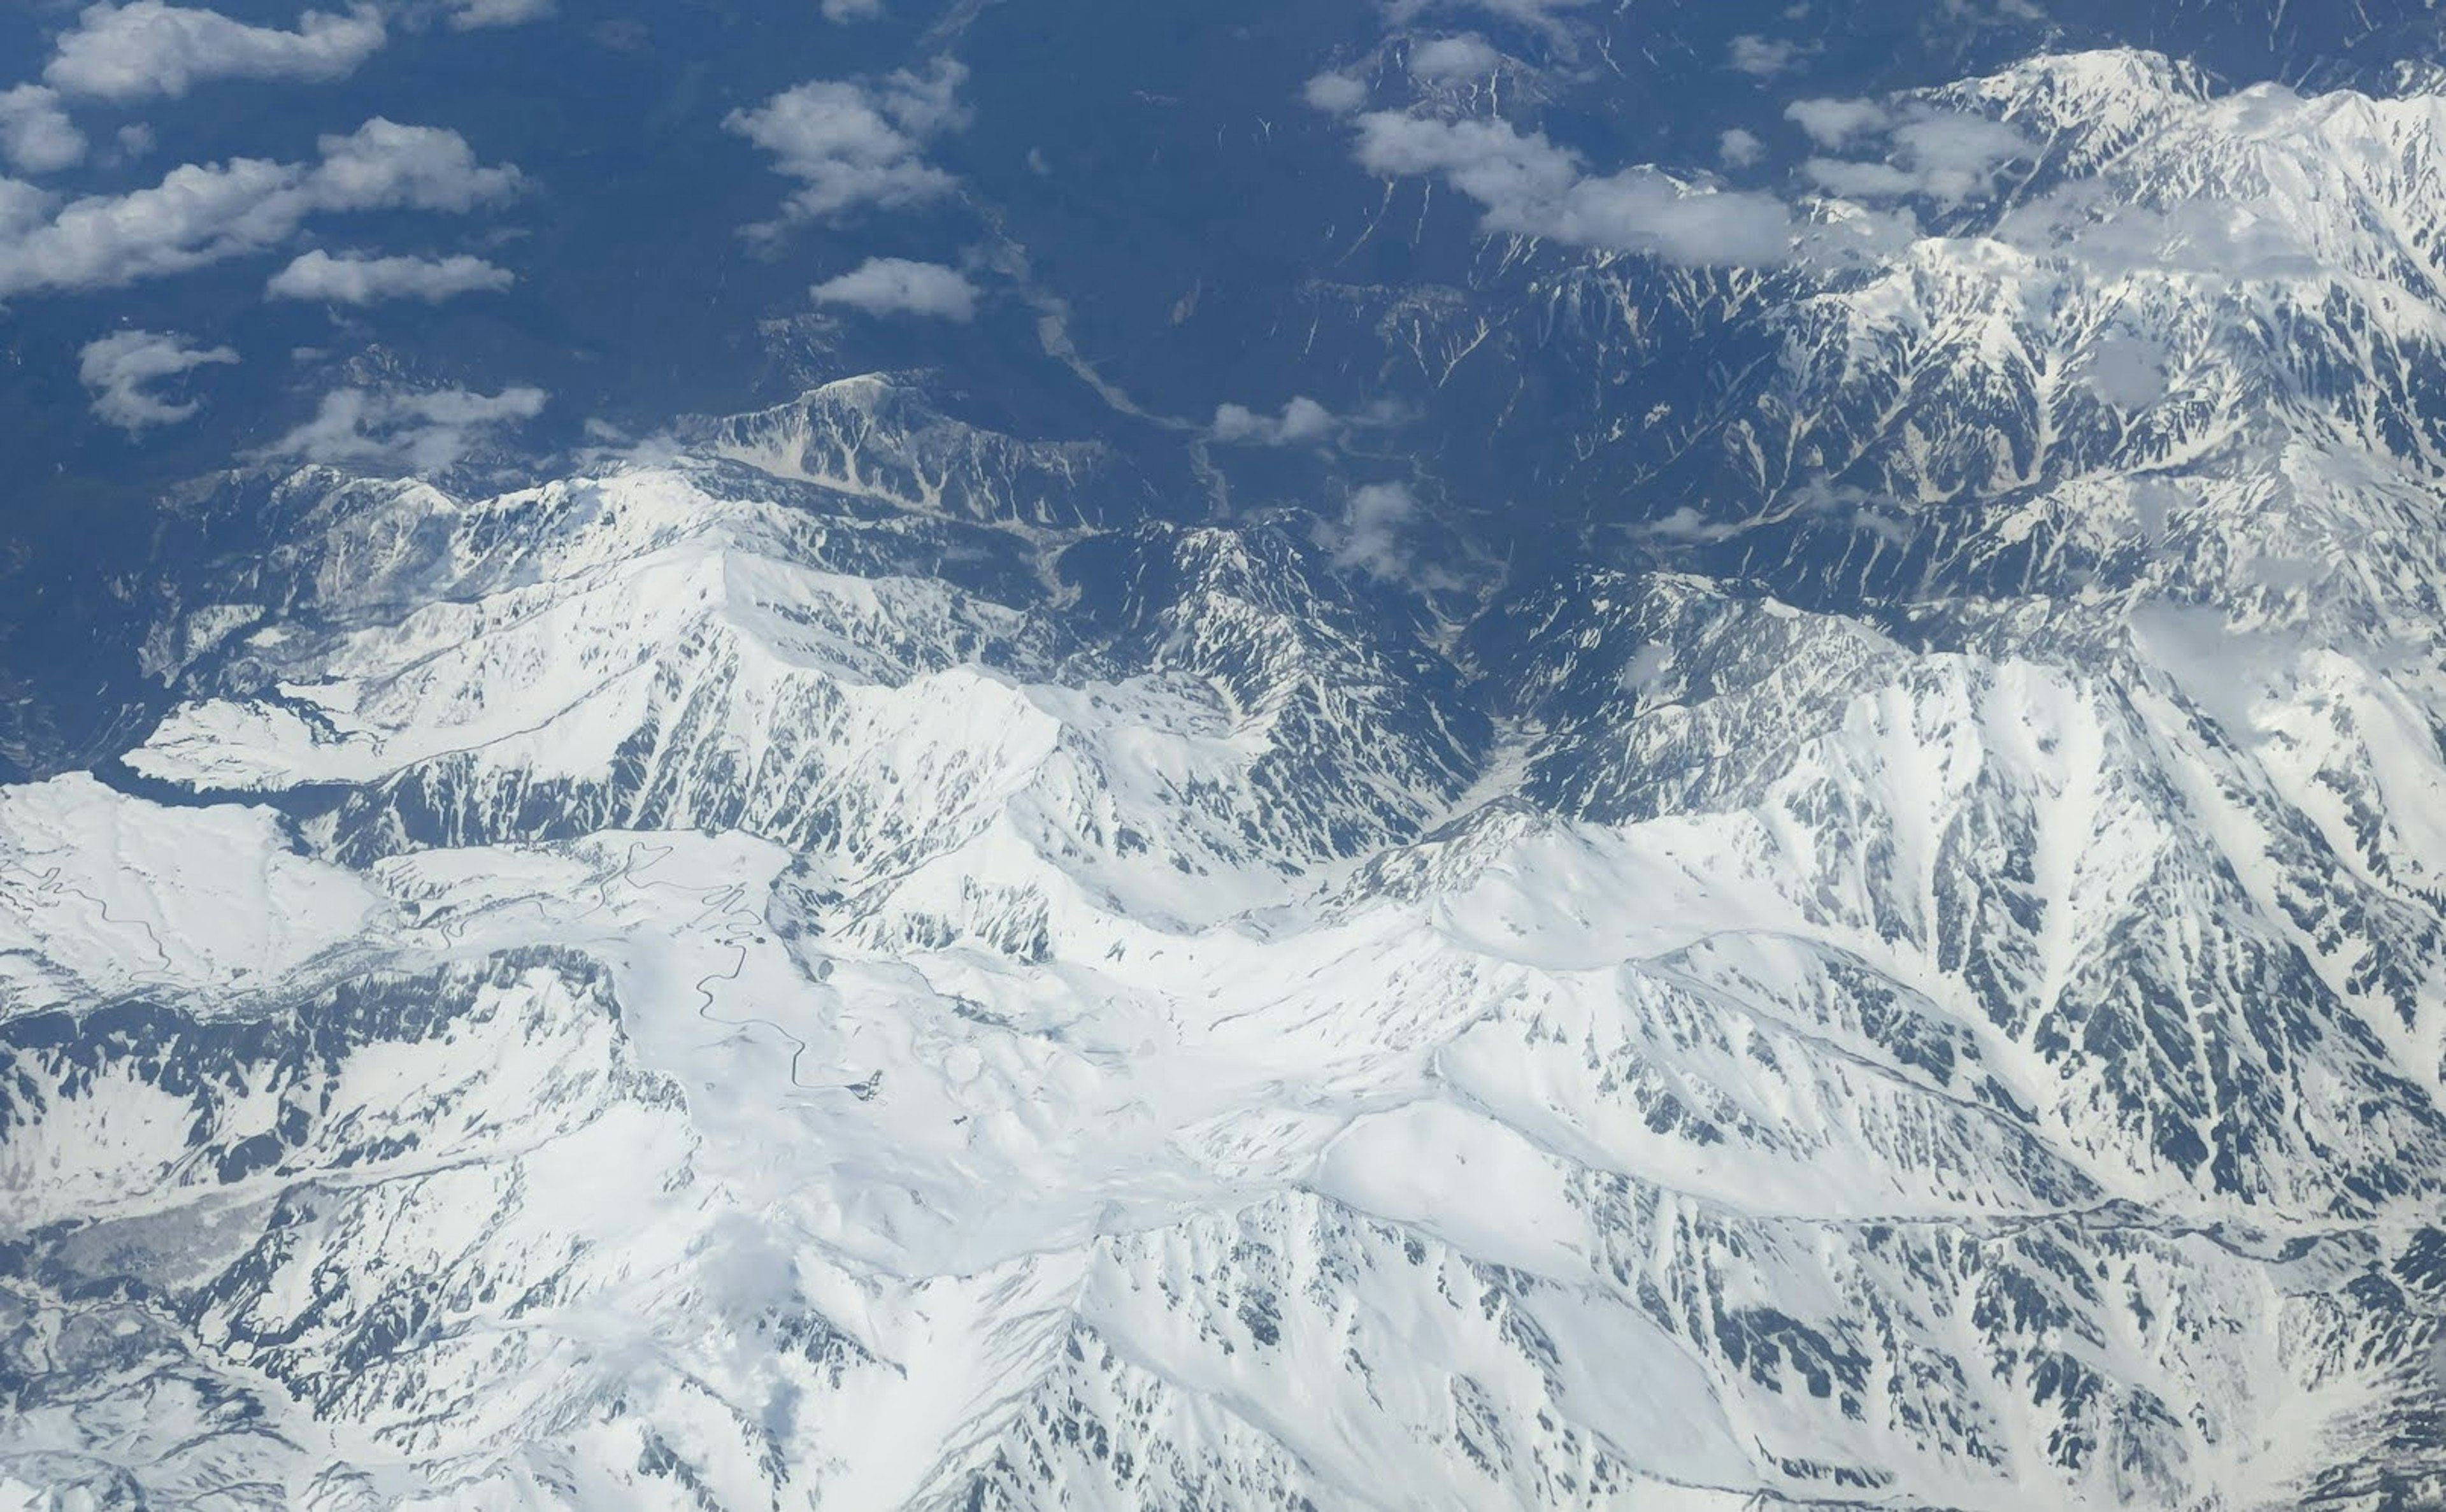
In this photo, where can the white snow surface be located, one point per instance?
(745, 1008)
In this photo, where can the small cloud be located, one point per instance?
(856, 144)
(1336, 94)
(36, 136)
(2127, 371)
(1646, 668)
(1686, 524)
(352, 280)
(1764, 57)
(896, 285)
(1369, 537)
(146, 49)
(135, 140)
(1831, 122)
(1302, 420)
(422, 432)
(840, 11)
(1738, 149)
(1449, 58)
(472, 15)
(119, 367)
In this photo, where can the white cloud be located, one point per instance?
(119, 366)
(1369, 540)
(896, 285)
(471, 15)
(423, 432)
(1336, 94)
(1738, 149)
(1686, 524)
(353, 280)
(1302, 419)
(36, 136)
(1448, 58)
(838, 11)
(145, 49)
(384, 165)
(200, 215)
(855, 144)
(1950, 156)
(135, 139)
(2127, 371)
(1532, 187)
(1831, 122)
(1764, 57)
(197, 216)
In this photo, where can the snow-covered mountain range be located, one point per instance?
(1896, 956)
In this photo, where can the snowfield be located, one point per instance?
(833, 968)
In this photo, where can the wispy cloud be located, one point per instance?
(471, 15)
(1764, 57)
(1369, 538)
(121, 367)
(420, 432)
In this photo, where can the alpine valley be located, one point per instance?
(1652, 880)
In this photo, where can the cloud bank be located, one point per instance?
(1949, 155)
(1531, 187)
(200, 215)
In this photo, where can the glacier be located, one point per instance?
(849, 956)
